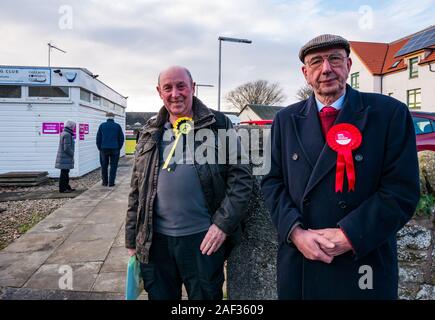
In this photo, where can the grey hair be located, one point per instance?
(70, 124)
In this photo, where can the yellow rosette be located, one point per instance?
(182, 126)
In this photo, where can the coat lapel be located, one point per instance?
(353, 112)
(308, 131)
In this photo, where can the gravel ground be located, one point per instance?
(20, 216)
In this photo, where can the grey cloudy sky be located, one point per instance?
(128, 42)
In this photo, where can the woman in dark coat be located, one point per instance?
(65, 156)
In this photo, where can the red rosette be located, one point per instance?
(343, 138)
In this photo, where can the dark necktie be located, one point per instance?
(327, 118)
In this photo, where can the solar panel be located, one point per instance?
(419, 41)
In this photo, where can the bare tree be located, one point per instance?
(304, 92)
(257, 92)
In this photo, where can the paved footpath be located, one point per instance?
(87, 235)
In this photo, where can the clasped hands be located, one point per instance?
(321, 244)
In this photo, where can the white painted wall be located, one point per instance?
(366, 79)
(399, 83)
(247, 114)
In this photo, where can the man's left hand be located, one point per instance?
(336, 236)
(212, 240)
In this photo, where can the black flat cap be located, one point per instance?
(324, 41)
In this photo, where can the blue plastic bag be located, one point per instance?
(133, 283)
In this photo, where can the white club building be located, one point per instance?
(35, 102)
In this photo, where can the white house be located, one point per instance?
(403, 69)
(258, 112)
(34, 104)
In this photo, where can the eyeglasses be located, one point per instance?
(335, 60)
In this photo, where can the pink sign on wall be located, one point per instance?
(50, 128)
(57, 127)
(83, 129)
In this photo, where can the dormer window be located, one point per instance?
(413, 68)
(395, 64)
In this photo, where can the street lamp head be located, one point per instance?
(234, 40)
(220, 45)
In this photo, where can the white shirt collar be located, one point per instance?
(338, 104)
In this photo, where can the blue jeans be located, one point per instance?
(109, 156)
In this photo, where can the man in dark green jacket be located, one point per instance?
(184, 213)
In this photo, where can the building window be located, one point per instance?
(108, 104)
(85, 95)
(49, 92)
(354, 80)
(413, 68)
(96, 99)
(395, 64)
(10, 92)
(414, 98)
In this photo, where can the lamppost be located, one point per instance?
(220, 63)
(201, 85)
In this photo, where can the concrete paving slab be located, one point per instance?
(81, 251)
(86, 233)
(106, 296)
(85, 203)
(57, 225)
(36, 242)
(110, 282)
(80, 212)
(120, 238)
(114, 198)
(143, 296)
(100, 215)
(16, 268)
(98, 231)
(41, 294)
(49, 275)
(116, 261)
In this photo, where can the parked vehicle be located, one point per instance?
(257, 122)
(424, 124)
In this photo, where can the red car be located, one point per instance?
(257, 122)
(424, 124)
